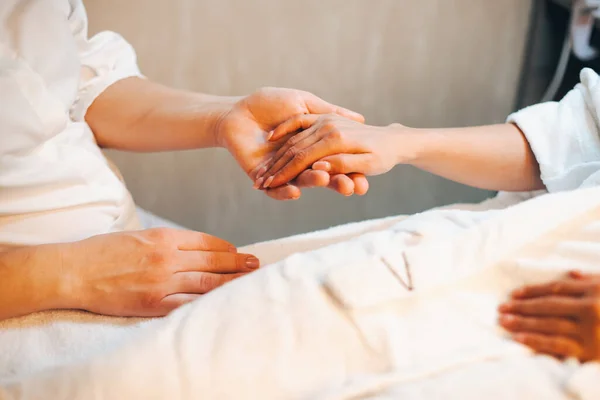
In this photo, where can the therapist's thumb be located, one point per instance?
(317, 105)
(344, 164)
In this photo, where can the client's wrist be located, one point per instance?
(408, 143)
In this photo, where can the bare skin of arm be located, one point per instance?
(136, 114)
(25, 287)
(494, 157)
(145, 273)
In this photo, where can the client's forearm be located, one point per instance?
(138, 115)
(495, 157)
(25, 285)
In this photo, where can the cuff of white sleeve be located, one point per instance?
(95, 86)
(536, 125)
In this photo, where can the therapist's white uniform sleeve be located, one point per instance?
(105, 59)
(564, 136)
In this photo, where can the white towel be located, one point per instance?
(340, 323)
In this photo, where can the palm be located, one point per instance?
(246, 127)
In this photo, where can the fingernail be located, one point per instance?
(518, 293)
(232, 249)
(268, 182)
(322, 166)
(252, 262)
(504, 307)
(270, 135)
(506, 319)
(261, 171)
(258, 182)
(349, 194)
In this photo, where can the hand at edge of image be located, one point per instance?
(559, 318)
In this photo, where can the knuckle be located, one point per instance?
(301, 156)
(207, 282)
(334, 132)
(210, 260)
(159, 235)
(156, 258)
(159, 259)
(151, 299)
(291, 152)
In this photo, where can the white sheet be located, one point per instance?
(339, 323)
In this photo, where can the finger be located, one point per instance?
(557, 346)
(172, 302)
(297, 160)
(317, 105)
(311, 178)
(344, 163)
(565, 287)
(551, 326)
(576, 275)
(294, 124)
(260, 169)
(216, 262)
(296, 146)
(361, 184)
(583, 276)
(550, 306)
(199, 282)
(191, 240)
(342, 184)
(285, 192)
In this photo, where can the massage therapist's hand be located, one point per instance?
(330, 143)
(245, 128)
(148, 273)
(560, 318)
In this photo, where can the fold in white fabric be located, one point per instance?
(407, 311)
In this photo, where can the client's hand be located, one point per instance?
(329, 143)
(244, 130)
(560, 318)
(147, 273)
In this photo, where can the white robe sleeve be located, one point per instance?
(564, 136)
(105, 59)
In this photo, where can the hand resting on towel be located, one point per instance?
(560, 318)
(143, 274)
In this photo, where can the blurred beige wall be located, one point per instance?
(422, 63)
